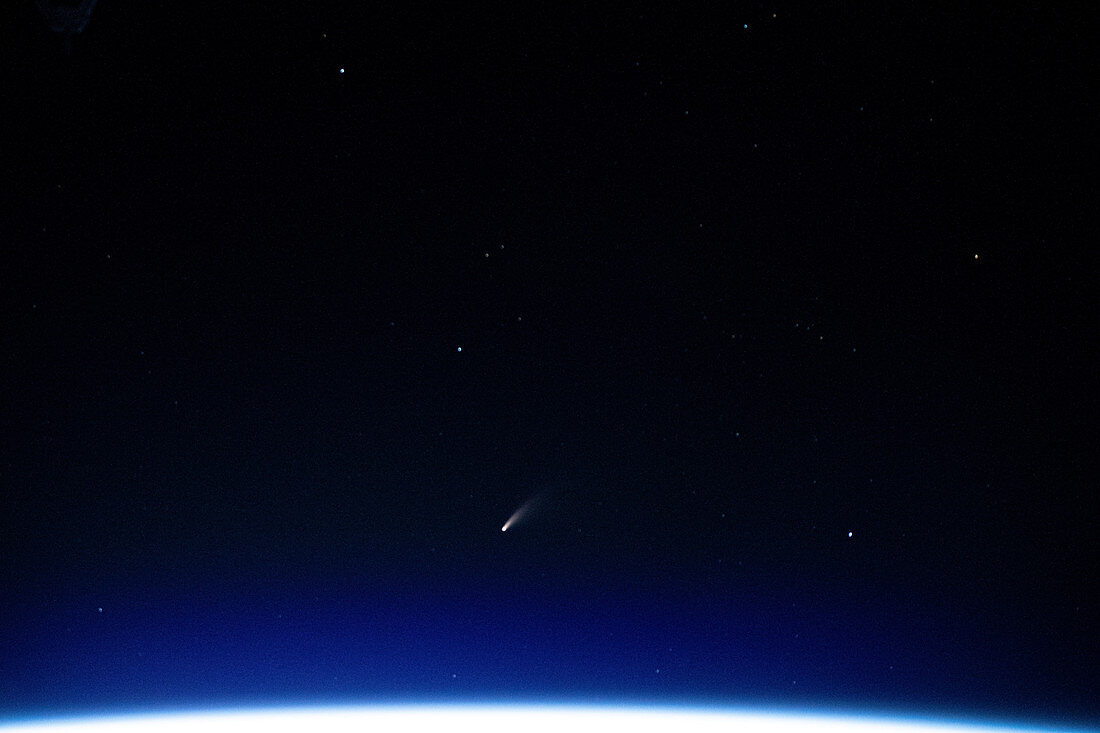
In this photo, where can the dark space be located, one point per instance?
(779, 312)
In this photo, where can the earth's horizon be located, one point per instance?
(486, 718)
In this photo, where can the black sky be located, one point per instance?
(783, 311)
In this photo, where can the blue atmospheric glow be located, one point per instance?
(494, 719)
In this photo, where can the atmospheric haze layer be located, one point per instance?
(506, 719)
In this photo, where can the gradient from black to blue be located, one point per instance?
(787, 324)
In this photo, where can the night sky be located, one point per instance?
(777, 314)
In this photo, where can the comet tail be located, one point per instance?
(517, 516)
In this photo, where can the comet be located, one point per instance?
(520, 513)
(514, 518)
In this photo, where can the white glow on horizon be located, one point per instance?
(494, 719)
